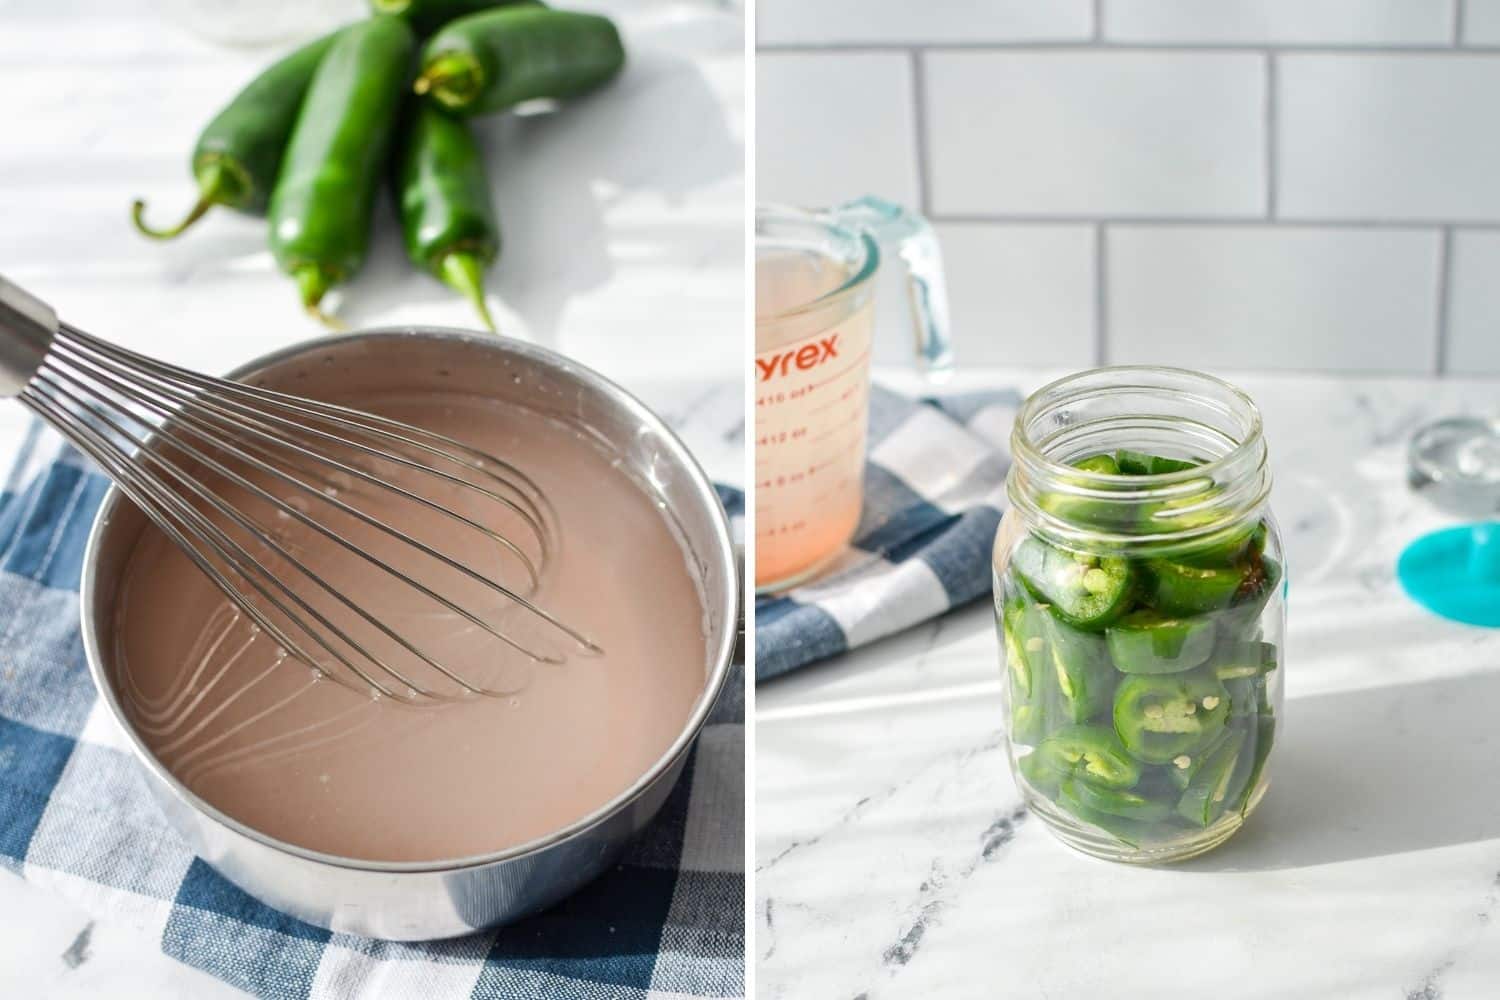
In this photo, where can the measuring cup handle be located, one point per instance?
(927, 289)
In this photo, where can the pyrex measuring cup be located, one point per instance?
(814, 324)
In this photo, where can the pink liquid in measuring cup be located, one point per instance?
(812, 386)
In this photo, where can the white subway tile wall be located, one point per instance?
(1482, 22)
(842, 127)
(845, 22)
(1474, 323)
(1273, 297)
(1286, 22)
(1006, 283)
(1253, 184)
(1085, 133)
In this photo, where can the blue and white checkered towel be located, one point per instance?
(75, 814)
(934, 492)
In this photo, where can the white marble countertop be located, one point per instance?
(624, 231)
(893, 857)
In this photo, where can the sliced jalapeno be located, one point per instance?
(1166, 718)
(1115, 801)
(1130, 832)
(1027, 663)
(1039, 774)
(1211, 788)
(1092, 753)
(1080, 662)
(1230, 547)
(1182, 589)
(1245, 696)
(1234, 659)
(1098, 463)
(1145, 642)
(1180, 773)
(1102, 513)
(1261, 580)
(1263, 736)
(1019, 632)
(1087, 592)
(1138, 463)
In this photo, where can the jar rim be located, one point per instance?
(1239, 476)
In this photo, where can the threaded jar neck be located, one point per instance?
(1168, 412)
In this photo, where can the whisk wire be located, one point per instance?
(163, 433)
(190, 484)
(393, 430)
(161, 506)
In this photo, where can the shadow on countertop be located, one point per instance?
(1376, 772)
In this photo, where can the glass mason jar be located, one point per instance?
(1140, 599)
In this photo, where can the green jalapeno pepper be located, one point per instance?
(1084, 591)
(1101, 512)
(1027, 666)
(1145, 642)
(1080, 662)
(1132, 833)
(443, 199)
(1039, 774)
(1218, 548)
(239, 152)
(1234, 659)
(1232, 546)
(1261, 737)
(1098, 463)
(1177, 588)
(1261, 579)
(1166, 718)
(1138, 463)
(427, 16)
(1127, 804)
(1092, 753)
(495, 60)
(322, 205)
(1211, 789)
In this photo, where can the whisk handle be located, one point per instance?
(27, 326)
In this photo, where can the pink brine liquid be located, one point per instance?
(262, 738)
(811, 384)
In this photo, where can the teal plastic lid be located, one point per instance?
(1456, 573)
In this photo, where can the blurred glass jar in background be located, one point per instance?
(256, 22)
(1139, 594)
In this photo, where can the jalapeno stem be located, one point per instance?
(313, 283)
(464, 273)
(453, 79)
(214, 183)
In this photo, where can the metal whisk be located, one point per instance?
(242, 477)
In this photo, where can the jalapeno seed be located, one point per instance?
(1080, 661)
(1091, 752)
(1211, 782)
(1086, 597)
(1180, 727)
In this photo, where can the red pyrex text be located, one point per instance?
(805, 357)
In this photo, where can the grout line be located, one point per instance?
(1444, 284)
(1091, 44)
(1227, 221)
(1458, 21)
(1101, 297)
(919, 101)
(1098, 20)
(1273, 145)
